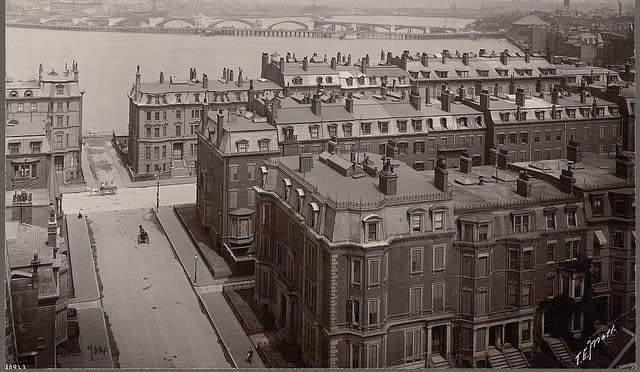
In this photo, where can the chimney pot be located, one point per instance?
(305, 162)
(441, 175)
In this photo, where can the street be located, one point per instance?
(154, 314)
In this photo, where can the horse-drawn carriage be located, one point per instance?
(143, 236)
(105, 189)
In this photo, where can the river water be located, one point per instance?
(107, 61)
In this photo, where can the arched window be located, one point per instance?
(372, 228)
(28, 93)
(430, 123)
(148, 100)
(443, 122)
(479, 120)
(319, 80)
(462, 122)
(13, 93)
(329, 80)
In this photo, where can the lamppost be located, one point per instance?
(157, 191)
(195, 268)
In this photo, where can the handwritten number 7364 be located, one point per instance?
(96, 350)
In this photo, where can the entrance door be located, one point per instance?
(511, 334)
(495, 336)
(439, 340)
(59, 163)
(177, 151)
(601, 309)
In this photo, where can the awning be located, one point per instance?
(602, 241)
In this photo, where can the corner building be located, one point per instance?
(352, 260)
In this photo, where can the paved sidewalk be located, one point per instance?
(233, 337)
(231, 333)
(85, 282)
(184, 248)
(94, 341)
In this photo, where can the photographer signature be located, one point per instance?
(585, 354)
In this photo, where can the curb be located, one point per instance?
(200, 300)
(95, 277)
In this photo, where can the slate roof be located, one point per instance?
(23, 241)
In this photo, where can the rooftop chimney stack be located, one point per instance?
(625, 167)
(427, 95)
(504, 58)
(281, 64)
(52, 230)
(583, 96)
(389, 57)
(502, 159)
(348, 103)
(334, 63)
(205, 81)
(520, 100)
(477, 88)
(441, 175)
(305, 162)
(219, 128)
(381, 55)
(363, 66)
(539, 85)
(485, 101)
(627, 72)
(512, 86)
(446, 98)
(567, 180)
(465, 59)
(524, 185)
(316, 104)
(230, 75)
(331, 146)
(414, 97)
(424, 58)
(554, 96)
(574, 151)
(265, 64)
(388, 180)
(444, 56)
(240, 77)
(137, 77)
(465, 163)
(305, 64)
(339, 57)
(527, 56)
(349, 60)
(482, 52)
(461, 93)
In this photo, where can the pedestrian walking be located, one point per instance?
(249, 354)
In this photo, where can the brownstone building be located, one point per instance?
(232, 150)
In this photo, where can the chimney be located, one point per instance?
(305, 64)
(285, 90)
(349, 60)
(137, 77)
(35, 263)
(495, 89)
(441, 175)
(550, 56)
(281, 64)
(465, 163)
(574, 151)
(482, 52)
(383, 91)
(316, 105)
(239, 77)
(367, 59)
(334, 63)
(554, 97)
(583, 96)
(387, 179)
(381, 54)
(625, 167)
(446, 98)
(539, 85)
(348, 103)
(512, 86)
(265, 64)
(618, 146)
(444, 55)
(465, 59)
(404, 59)
(52, 229)
(461, 93)
(331, 146)
(520, 101)
(161, 77)
(274, 108)
(22, 207)
(477, 89)
(427, 95)
(424, 59)
(363, 66)
(389, 57)
(305, 162)
(219, 128)
(224, 74)
(502, 159)
(524, 184)
(230, 75)
(485, 102)
(414, 97)
(627, 72)
(567, 180)
(339, 55)
(527, 56)
(205, 81)
(504, 58)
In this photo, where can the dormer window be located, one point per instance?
(329, 80)
(333, 130)
(571, 113)
(416, 219)
(349, 81)
(430, 123)
(402, 126)
(361, 80)
(417, 125)
(149, 98)
(366, 128)
(178, 98)
(314, 131)
(550, 218)
(613, 111)
(483, 73)
(523, 116)
(319, 80)
(196, 97)
(28, 93)
(401, 80)
(288, 133)
(479, 121)
(372, 80)
(300, 193)
(315, 213)
(383, 126)
(287, 188)
(242, 146)
(426, 74)
(600, 111)
(372, 228)
(443, 122)
(59, 89)
(297, 80)
(157, 100)
(347, 129)
(13, 93)
(540, 115)
(463, 73)
(462, 122)
(442, 74)
(504, 116)
(584, 112)
(264, 145)
(263, 173)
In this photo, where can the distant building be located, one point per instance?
(164, 117)
(531, 31)
(44, 121)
